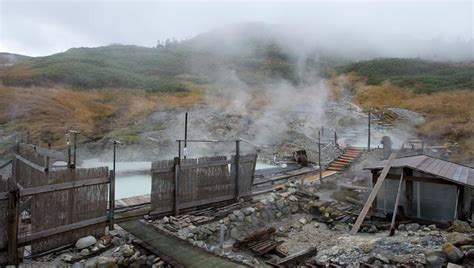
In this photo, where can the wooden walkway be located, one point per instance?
(345, 159)
(172, 249)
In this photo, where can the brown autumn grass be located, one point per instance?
(48, 112)
(449, 114)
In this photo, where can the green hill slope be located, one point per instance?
(421, 75)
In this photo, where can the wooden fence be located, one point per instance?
(64, 204)
(199, 182)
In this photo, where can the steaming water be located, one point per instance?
(132, 185)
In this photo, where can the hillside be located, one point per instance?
(442, 92)
(421, 75)
(161, 69)
(8, 59)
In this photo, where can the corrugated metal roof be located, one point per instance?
(447, 170)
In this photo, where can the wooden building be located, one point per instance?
(432, 189)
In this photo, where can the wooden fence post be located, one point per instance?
(368, 136)
(237, 167)
(13, 200)
(112, 200)
(176, 185)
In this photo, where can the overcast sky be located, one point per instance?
(45, 27)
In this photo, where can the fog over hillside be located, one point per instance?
(356, 30)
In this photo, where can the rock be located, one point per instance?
(95, 249)
(66, 257)
(280, 204)
(435, 258)
(372, 229)
(412, 227)
(293, 198)
(466, 247)
(235, 233)
(402, 259)
(139, 262)
(91, 264)
(279, 214)
(460, 226)
(452, 265)
(382, 258)
(86, 242)
(117, 241)
(85, 252)
(127, 251)
(432, 227)
(78, 265)
(240, 216)
(426, 229)
(105, 262)
(296, 225)
(458, 239)
(248, 219)
(469, 253)
(316, 225)
(402, 227)
(160, 264)
(410, 233)
(232, 217)
(303, 221)
(248, 211)
(453, 254)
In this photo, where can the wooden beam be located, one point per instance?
(29, 163)
(62, 186)
(372, 195)
(395, 209)
(12, 234)
(297, 257)
(6, 164)
(111, 200)
(176, 185)
(23, 241)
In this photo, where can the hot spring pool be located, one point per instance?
(127, 185)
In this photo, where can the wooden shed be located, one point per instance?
(433, 189)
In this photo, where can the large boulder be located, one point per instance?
(460, 226)
(453, 254)
(104, 262)
(412, 227)
(86, 242)
(435, 259)
(458, 239)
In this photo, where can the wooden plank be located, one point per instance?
(29, 163)
(203, 165)
(304, 254)
(395, 209)
(111, 199)
(23, 241)
(12, 240)
(62, 186)
(162, 169)
(6, 164)
(373, 194)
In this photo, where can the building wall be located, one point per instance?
(431, 201)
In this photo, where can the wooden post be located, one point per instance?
(185, 135)
(12, 247)
(176, 185)
(395, 209)
(368, 136)
(112, 200)
(335, 139)
(373, 194)
(319, 156)
(237, 167)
